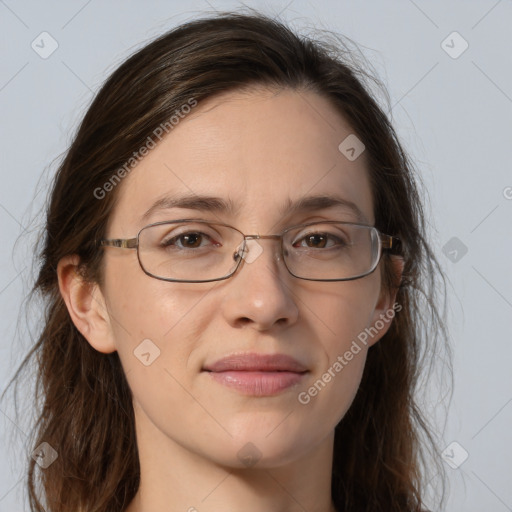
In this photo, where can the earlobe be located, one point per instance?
(386, 306)
(86, 305)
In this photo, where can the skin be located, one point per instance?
(259, 149)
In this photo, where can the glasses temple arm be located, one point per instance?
(391, 243)
(123, 243)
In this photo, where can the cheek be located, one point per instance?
(150, 315)
(157, 327)
(341, 311)
(338, 319)
(144, 305)
(330, 391)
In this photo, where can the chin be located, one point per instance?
(265, 449)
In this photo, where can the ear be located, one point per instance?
(386, 306)
(86, 305)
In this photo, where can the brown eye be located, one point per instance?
(316, 241)
(191, 240)
(319, 241)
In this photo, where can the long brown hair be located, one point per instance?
(382, 443)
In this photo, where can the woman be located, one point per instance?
(234, 266)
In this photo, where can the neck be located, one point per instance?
(174, 478)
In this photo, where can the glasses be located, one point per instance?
(199, 251)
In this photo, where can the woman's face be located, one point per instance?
(258, 152)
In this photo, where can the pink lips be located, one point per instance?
(257, 374)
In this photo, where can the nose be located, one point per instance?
(260, 293)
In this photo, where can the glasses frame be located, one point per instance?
(386, 243)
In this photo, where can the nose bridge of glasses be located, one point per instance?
(257, 237)
(252, 249)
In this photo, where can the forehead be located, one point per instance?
(258, 151)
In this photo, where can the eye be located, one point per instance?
(320, 240)
(190, 240)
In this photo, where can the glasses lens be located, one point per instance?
(331, 251)
(189, 251)
(196, 251)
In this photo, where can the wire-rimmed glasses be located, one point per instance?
(199, 251)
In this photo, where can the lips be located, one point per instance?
(257, 374)
(257, 362)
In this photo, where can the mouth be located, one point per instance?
(257, 374)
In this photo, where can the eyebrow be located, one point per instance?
(214, 204)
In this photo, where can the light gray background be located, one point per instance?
(453, 114)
